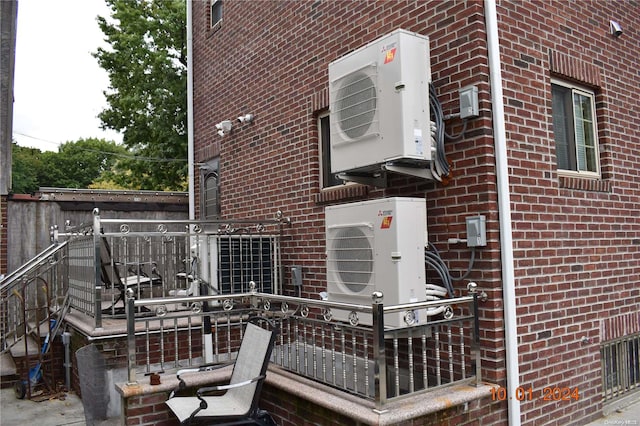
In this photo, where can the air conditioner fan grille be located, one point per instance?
(356, 104)
(351, 255)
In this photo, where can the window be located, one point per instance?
(216, 13)
(210, 191)
(574, 126)
(324, 133)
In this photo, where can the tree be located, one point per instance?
(79, 164)
(83, 164)
(25, 170)
(146, 63)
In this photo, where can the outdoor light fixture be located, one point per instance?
(616, 29)
(247, 118)
(224, 127)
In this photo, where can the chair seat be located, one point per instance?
(218, 406)
(135, 280)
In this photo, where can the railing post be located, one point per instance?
(475, 340)
(130, 312)
(53, 233)
(97, 262)
(379, 359)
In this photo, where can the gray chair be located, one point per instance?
(239, 403)
(111, 278)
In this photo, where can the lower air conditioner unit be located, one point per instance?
(376, 245)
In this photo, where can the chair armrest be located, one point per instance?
(202, 391)
(207, 367)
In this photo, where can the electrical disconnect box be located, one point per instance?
(468, 102)
(476, 231)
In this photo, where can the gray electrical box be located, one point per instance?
(469, 102)
(476, 231)
(296, 275)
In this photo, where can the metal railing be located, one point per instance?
(95, 264)
(186, 286)
(371, 361)
(29, 294)
(167, 258)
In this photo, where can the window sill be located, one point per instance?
(342, 192)
(584, 184)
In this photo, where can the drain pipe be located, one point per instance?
(66, 341)
(190, 154)
(504, 210)
(207, 337)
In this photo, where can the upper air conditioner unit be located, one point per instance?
(376, 245)
(379, 104)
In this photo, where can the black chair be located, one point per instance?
(238, 404)
(111, 278)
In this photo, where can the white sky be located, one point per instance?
(58, 84)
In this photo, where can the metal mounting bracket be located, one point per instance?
(419, 172)
(377, 179)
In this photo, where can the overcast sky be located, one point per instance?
(58, 84)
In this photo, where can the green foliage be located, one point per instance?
(75, 165)
(78, 164)
(146, 63)
(27, 165)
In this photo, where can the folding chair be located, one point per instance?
(239, 404)
(111, 278)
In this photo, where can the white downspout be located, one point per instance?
(190, 159)
(207, 338)
(504, 210)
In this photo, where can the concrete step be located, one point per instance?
(8, 370)
(7, 365)
(17, 350)
(43, 328)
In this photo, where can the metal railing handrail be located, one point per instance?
(266, 304)
(10, 280)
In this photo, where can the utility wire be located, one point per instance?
(126, 156)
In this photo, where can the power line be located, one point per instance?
(115, 154)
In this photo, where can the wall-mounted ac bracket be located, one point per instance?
(377, 179)
(419, 172)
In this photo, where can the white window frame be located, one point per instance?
(218, 23)
(581, 91)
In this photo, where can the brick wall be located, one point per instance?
(576, 242)
(577, 251)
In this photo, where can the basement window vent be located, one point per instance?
(620, 366)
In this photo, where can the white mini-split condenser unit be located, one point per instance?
(379, 104)
(376, 245)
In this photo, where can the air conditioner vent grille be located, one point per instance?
(351, 256)
(356, 103)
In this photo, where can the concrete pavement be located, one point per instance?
(54, 412)
(627, 414)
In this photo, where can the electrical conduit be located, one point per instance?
(504, 209)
